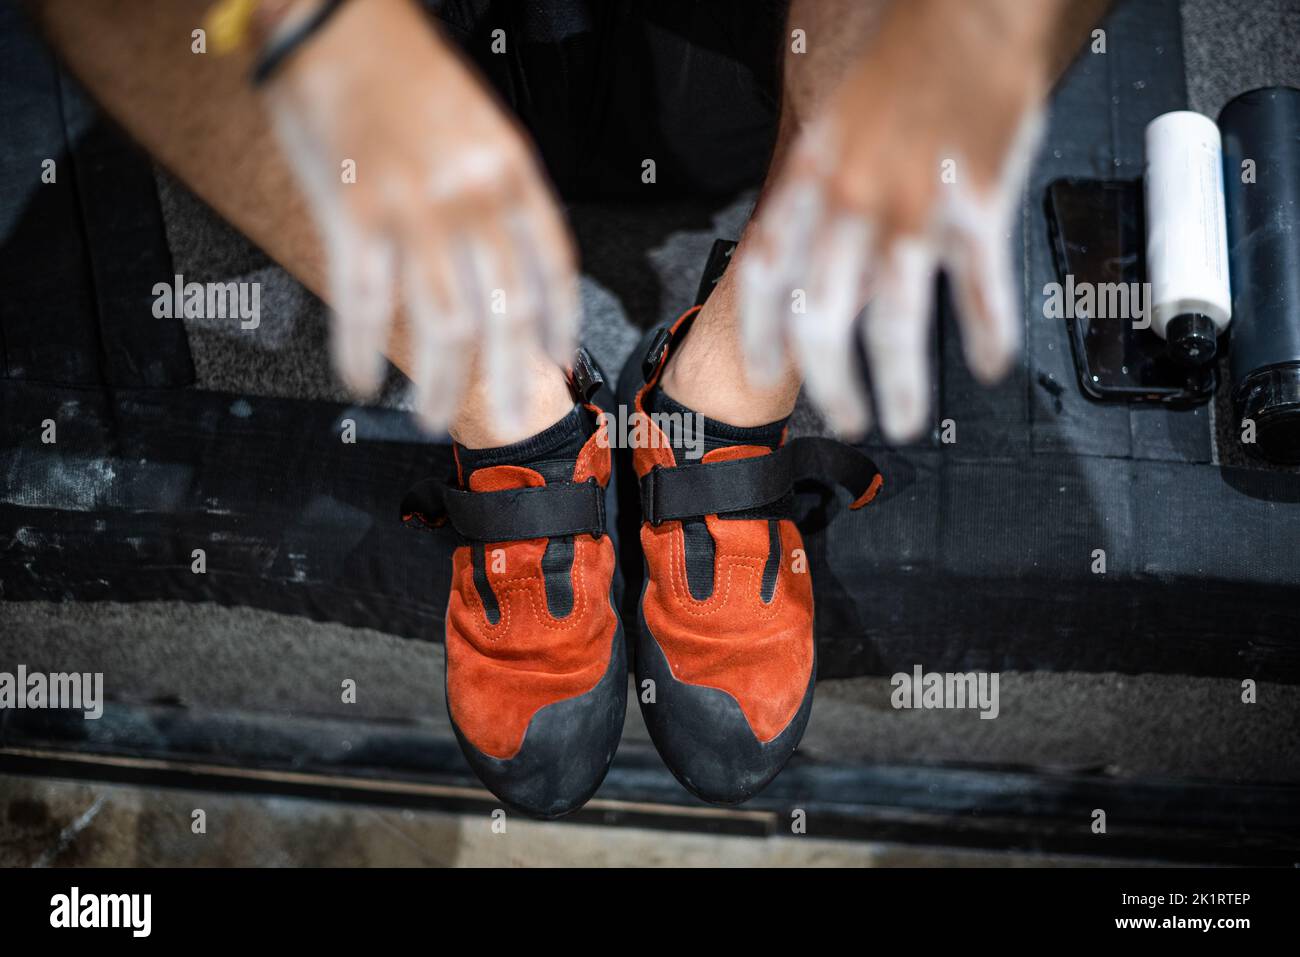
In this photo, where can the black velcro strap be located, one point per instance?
(742, 485)
(714, 488)
(512, 515)
(286, 44)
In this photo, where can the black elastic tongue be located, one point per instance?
(684, 434)
(551, 452)
(697, 541)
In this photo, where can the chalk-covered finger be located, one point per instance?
(507, 313)
(976, 231)
(550, 267)
(823, 334)
(774, 276)
(896, 336)
(361, 265)
(978, 262)
(443, 331)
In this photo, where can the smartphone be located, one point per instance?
(1099, 236)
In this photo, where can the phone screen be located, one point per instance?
(1099, 237)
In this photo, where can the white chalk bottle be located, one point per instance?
(1190, 300)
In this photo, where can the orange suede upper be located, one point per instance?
(498, 676)
(759, 653)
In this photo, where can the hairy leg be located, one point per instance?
(707, 372)
(199, 117)
(548, 401)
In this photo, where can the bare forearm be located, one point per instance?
(198, 116)
(1047, 33)
(193, 112)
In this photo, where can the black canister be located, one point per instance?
(1261, 167)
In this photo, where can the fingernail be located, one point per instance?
(990, 360)
(359, 362)
(902, 414)
(848, 422)
(760, 329)
(434, 409)
(559, 345)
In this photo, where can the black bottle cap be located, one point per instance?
(1191, 339)
(1271, 399)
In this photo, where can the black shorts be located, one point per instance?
(604, 85)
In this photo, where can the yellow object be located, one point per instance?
(228, 24)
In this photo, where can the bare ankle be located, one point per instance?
(548, 400)
(706, 372)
